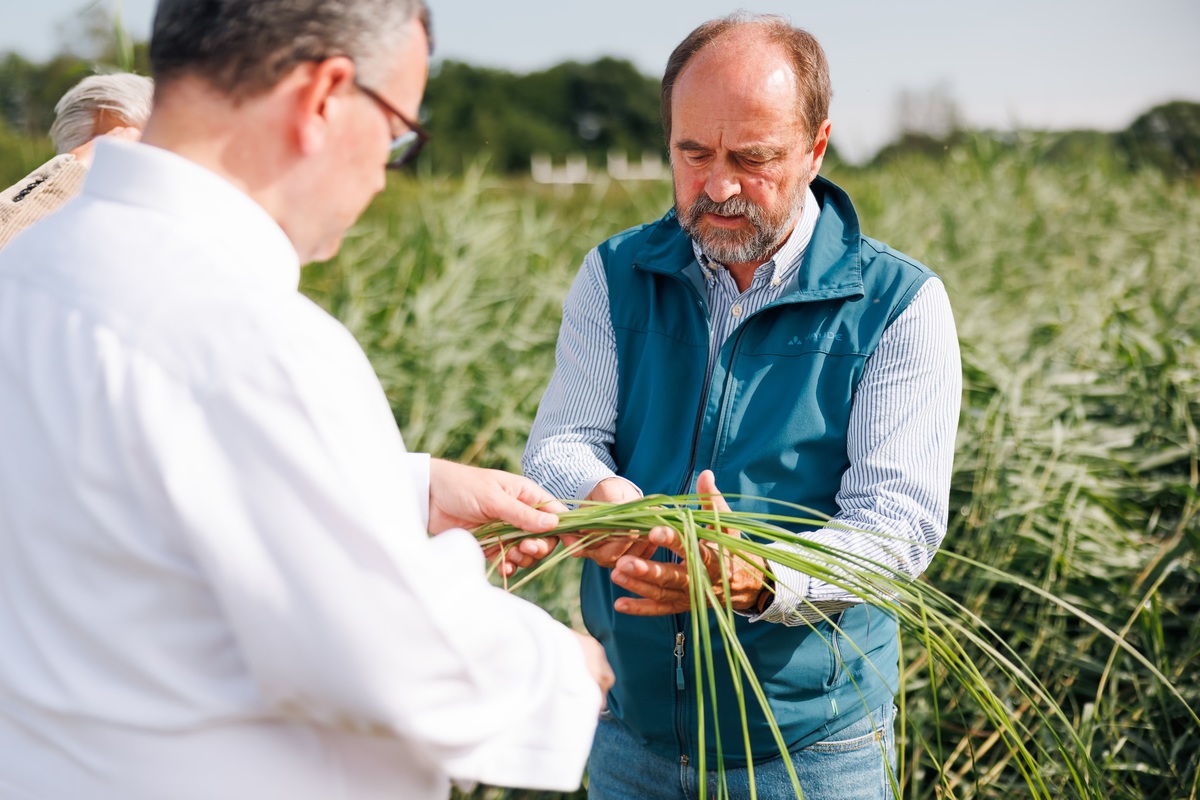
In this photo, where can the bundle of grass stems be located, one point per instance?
(1035, 737)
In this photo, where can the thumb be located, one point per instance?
(515, 512)
(706, 487)
(528, 506)
(706, 484)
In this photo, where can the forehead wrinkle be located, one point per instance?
(754, 137)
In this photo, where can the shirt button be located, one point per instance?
(736, 310)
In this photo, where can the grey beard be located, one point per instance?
(738, 247)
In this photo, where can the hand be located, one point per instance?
(664, 588)
(597, 663)
(529, 552)
(87, 151)
(464, 497)
(607, 552)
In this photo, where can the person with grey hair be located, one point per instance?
(219, 578)
(751, 338)
(99, 105)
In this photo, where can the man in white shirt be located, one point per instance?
(215, 578)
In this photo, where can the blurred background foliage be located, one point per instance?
(570, 108)
(1078, 453)
(503, 119)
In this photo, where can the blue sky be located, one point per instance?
(1022, 63)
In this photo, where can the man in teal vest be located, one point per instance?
(754, 339)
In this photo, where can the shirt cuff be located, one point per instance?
(793, 604)
(791, 586)
(548, 747)
(418, 478)
(588, 486)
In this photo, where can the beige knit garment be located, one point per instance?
(39, 193)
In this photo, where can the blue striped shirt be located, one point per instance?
(900, 441)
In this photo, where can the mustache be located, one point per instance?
(736, 206)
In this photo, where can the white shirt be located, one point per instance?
(215, 580)
(900, 440)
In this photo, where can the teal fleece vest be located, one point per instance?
(772, 422)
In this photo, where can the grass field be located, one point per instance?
(1077, 455)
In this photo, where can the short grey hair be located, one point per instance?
(245, 47)
(124, 95)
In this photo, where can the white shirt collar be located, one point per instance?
(142, 175)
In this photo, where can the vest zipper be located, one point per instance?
(678, 652)
(680, 685)
(687, 488)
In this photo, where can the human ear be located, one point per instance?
(820, 145)
(321, 92)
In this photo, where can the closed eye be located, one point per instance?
(692, 151)
(758, 157)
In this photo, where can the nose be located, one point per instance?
(722, 182)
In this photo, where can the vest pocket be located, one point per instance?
(837, 674)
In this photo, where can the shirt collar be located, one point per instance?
(143, 175)
(789, 255)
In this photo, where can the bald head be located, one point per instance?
(731, 44)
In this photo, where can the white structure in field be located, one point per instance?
(576, 170)
(651, 167)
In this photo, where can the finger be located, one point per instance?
(644, 607)
(518, 511)
(537, 549)
(585, 545)
(500, 557)
(642, 548)
(516, 558)
(662, 536)
(706, 484)
(652, 579)
(553, 506)
(669, 538)
(607, 551)
(526, 504)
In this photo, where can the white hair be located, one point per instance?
(125, 95)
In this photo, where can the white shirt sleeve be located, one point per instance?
(570, 446)
(900, 443)
(418, 474)
(293, 491)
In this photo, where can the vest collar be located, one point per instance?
(831, 268)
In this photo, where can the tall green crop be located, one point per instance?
(1077, 473)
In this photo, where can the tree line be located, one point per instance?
(505, 118)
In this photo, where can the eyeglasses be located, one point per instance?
(404, 147)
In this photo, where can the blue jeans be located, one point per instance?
(848, 766)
